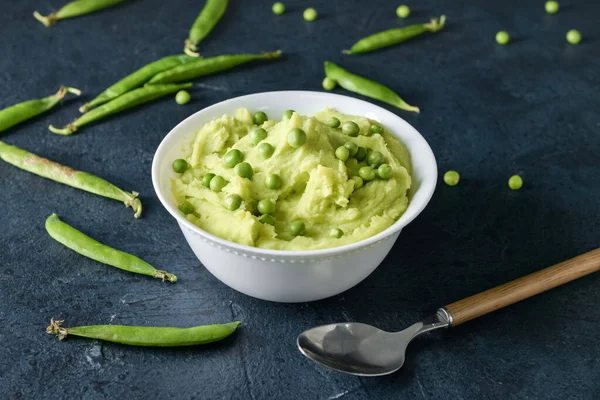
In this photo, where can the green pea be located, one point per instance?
(186, 207)
(265, 150)
(375, 159)
(233, 202)
(180, 165)
(266, 206)
(244, 170)
(336, 233)
(402, 11)
(310, 14)
(287, 114)
(233, 158)
(259, 118)
(334, 122)
(182, 97)
(278, 8)
(297, 228)
(358, 182)
(273, 181)
(384, 171)
(342, 153)
(374, 128)
(361, 154)
(502, 37)
(350, 128)
(551, 7)
(217, 183)
(257, 135)
(329, 84)
(515, 182)
(352, 147)
(296, 138)
(207, 178)
(267, 219)
(573, 36)
(367, 173)
(451, 178)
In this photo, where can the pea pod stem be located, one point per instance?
(20, 112)
(366, 87)
(207, 66)
(207, 19)
(394, 36)
(86, 246)
(130, 99)
(74, 9)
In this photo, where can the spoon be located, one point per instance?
(362, 349)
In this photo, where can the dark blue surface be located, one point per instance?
(488, 111)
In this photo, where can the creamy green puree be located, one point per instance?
(316, 187)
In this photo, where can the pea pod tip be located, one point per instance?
(48, 21)
(55, 328)
(67, 130)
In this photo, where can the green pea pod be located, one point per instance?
(86, 246)
(366, 87)
(130, 99)
(75, 9)
(137, 79)
(394, 36)
(28, 109)
(207, 66)
(60, 173)
(207, 19)
(151, 336)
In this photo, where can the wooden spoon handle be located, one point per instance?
(523, 288)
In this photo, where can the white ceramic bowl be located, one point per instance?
(293, 276)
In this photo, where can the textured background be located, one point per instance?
(488, 111)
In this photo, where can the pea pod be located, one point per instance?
(28, 109)
(86, 246)
(75, 9)
(130, 99)
(394, 36)
(366, 87)
(207, 19)
(207, 66)
(81, 180)
(137, 79)
(161, 336)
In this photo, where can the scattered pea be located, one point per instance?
(297, 228)
(267, 219)
(273, 181)
(244, 170)
(278, 8)
(451, 178)
(384, 171)
(287, 114)
(310, 14)
(375, 159)
(551, 7)
(358, 182)
(361, 153)
(257, 135)
(502, 37)
(336, 233)
(233, 158)
(334, 122)
(266, 206)
(350, 128)
(402, 11)
(352, 147)
(182, 97)
(515, 182)
(342, 153)
(367, 173)
(296, 138)
(573, 36)
(259, 117)
(265, 150)
(207, 178)
(180, 165)
(186, 207)
(217, 183)
(374, 128)
(233, 202)
(329, 84)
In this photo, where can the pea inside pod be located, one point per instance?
(75, 9)
(204, 23)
